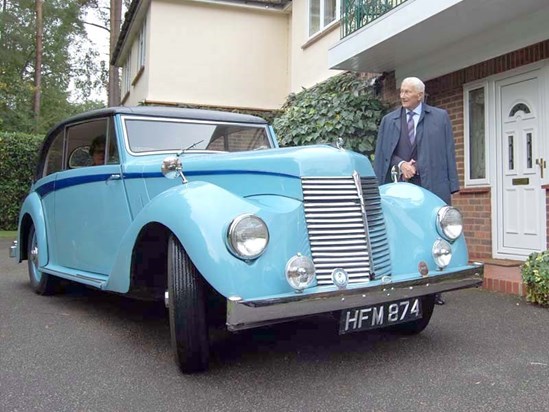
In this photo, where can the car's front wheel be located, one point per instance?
(187, 309)
(42, 283)
(416, 326)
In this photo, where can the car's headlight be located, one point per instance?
(449, 223)
(442, 253)
(247, 236)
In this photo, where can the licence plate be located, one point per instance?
(379, 316)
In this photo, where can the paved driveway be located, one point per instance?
(88, 351)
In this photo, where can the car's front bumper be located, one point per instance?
(245, 314)
(13, 249)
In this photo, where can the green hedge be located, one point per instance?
(18, 157)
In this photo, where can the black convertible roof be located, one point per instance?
(173, 112)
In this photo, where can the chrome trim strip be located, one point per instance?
(254, 313)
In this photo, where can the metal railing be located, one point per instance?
(356, 14)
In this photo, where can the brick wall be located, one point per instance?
(447, 92)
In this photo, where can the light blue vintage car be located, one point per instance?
(201, 209)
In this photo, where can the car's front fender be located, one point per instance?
(199, 213)
(32, 208)
(410, 217)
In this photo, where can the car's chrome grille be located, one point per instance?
(337, 233)
(376, 227)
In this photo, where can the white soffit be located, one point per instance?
(427, 38)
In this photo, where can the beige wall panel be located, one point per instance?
(309, 64)
(241, 60)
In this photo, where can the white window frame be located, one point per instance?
(321, 17)
(469, 182)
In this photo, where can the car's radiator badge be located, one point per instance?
(340, 278)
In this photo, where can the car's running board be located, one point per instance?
(97, 281)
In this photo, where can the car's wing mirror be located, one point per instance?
(172, 168)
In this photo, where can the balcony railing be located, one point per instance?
(356, 14)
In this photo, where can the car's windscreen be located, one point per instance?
(153, 135)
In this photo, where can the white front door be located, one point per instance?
(520, 198)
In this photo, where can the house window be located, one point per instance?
(126, 75)
(475, 135)
(321, 14)
(141, 50)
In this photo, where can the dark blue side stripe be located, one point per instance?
(45, 189)
(49, 187)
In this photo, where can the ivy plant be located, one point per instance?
(344, 106)
(535, 274)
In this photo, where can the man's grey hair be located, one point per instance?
(417, 83)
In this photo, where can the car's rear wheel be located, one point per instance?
(42, 283)
(416, 326)
(187, 309)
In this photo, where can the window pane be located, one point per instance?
(86, 143)
(330, 8)
(511, 148)
(529, 150)
(146, 136)
(314, 16)
(54, 159)
(112, 147)
(477, 166)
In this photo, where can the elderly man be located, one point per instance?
(418, 139)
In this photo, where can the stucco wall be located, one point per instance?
(217, 55)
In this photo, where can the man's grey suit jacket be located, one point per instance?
(436, 154)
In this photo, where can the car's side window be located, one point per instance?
(87, 143)
(54, 158)
(112, 147)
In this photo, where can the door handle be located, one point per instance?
(118, 176)
(542, 164)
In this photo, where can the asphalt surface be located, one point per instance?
(90, 351)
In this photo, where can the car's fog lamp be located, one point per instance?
(300, 272)
(442, 253)
(449, 223)
(247, 236)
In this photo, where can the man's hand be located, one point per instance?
(408, 169)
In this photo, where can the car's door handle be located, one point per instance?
(115, 176)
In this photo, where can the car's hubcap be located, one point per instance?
(34, 259)
(34, 255)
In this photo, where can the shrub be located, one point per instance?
(535, 274)
(343, 106)
(18, 157)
